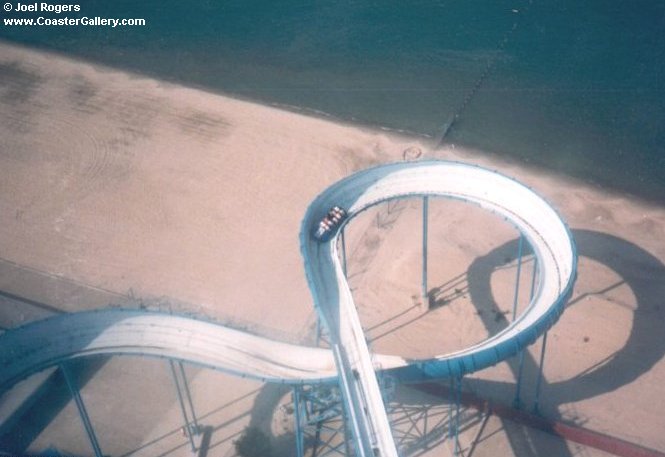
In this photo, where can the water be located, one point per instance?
(575, 87)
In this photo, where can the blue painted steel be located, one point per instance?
(517, 278)
(425, 221)
(188, 430)
(536, 401)
(300, 451)
(188, 395)
(517, 401)
(73, 389)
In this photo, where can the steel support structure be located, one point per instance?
(517, 402)
(536, 401)
(188, 396)
(425, 221)
(454, 420)
(74, 391)
(319, 421)
(189, 427)
(519, 272)
(300, 451)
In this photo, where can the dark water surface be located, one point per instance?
(575, 87)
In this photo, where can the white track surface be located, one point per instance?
(28, 349)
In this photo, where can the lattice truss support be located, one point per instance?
(321, 431)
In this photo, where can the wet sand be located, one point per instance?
(165, 196)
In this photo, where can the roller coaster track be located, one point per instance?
(28, 349)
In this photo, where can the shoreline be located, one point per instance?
(458, 135)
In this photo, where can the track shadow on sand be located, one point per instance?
(641, 271)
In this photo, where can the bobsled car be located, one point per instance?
(329, 224)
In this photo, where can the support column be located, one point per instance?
(298, 422)
(188, 395)
(73, 389)
(536, 401)
(519, 271)
(188, 429)
(425, 221)
(517, 402)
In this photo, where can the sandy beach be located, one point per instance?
(118, 188)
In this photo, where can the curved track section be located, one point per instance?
(48, 342)
(38, 345)
(536, 220)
